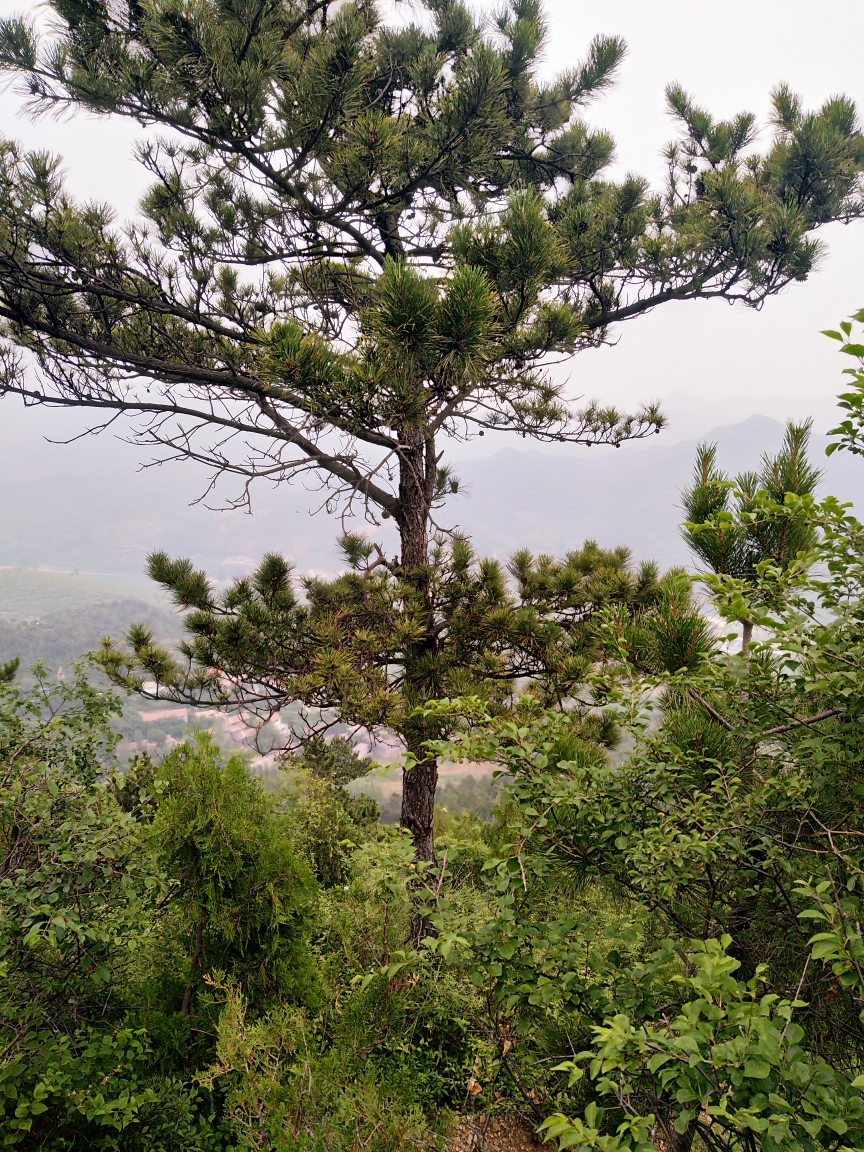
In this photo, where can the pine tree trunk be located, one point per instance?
(418, 812)
(416, 487)
(417, 466)
(418, 803)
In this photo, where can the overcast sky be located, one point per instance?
(729, 55)
(712, 363)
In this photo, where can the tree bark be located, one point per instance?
(417, 466)
(746, 634)
(196, 964)
(416, 489)
(418, 804)
(679, 1141)
(418, 814)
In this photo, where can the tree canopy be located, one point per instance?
(363, 233)
(369, 648)
(727, 525)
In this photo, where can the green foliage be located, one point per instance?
(243, 902)
(378, 179)
(158, 934)
(656, 940)
(327, 819)
(134, 787)
(363, 236)
(349, 646)
(377, 643)
(334, 95)
(59, 638)
(76, 881)
(65, 722)
(283, 1095)
(732, 1057)
(472, 795)
(337, 155)
(387, 1057)
(850, 430)
(733, 825)
(735, 540)
(335, 760)
(325, 830)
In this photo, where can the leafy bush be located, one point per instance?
(76, 882)
(243, 902)
(709, 1008)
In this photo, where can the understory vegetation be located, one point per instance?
(653, 940)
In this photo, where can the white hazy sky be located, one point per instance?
(713, 363)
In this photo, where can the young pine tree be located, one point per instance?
(729, 526)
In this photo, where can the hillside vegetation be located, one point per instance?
(370, 230)
(622, 946)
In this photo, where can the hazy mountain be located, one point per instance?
(104, 516)
(550, 502)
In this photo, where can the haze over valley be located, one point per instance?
(102, 515)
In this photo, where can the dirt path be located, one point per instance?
(496, 1134)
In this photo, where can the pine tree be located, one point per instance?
(365, 236)
(729, 525)
(335, 761)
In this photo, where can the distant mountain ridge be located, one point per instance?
(107, 519)
(549, 502)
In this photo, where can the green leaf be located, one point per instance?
(682, 1123)
(836, 1125)
(593, 1113)
(822, 949)
(658, 1060)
